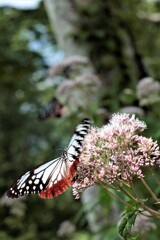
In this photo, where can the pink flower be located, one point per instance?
(115, 152)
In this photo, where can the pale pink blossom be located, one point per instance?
(115, 152)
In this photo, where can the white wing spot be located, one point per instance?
(39, 175)
(36, 181)
(30, 181)
(79, 138)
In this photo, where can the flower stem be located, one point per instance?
(151, 211)
(149, 190)
(127, 193)
(114, 195)
(154, 176)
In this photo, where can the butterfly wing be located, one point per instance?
(51, 110)
(63, 181)
(75, 145)
(38, 179)
(53, 189)
(54, 177)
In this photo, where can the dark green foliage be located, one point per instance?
(127, 221)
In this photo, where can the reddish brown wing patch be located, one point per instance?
(56, 189)
(59, 187)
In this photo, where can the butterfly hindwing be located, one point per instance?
(37, 180)
(54, 177)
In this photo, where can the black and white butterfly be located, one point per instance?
(54, 177)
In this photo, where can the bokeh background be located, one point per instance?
(61, 61)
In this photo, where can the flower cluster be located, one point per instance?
(74, 94)
(68, 63)
(148, 91)
(115, 152)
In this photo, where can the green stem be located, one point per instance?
(149, 190)
(114, 195)
(124, 183)
(154, 176)
(127, 193)
(151, 211)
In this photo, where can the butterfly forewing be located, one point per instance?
(75, 144)
(54, 177)
(36, 180)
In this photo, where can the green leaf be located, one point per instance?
(127, 221)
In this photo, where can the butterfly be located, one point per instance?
(53, 109)
(54, 177)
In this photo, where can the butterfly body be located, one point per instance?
(54, 177)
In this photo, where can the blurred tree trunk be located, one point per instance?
(63, 24)
(63, 27)
(101, 31)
